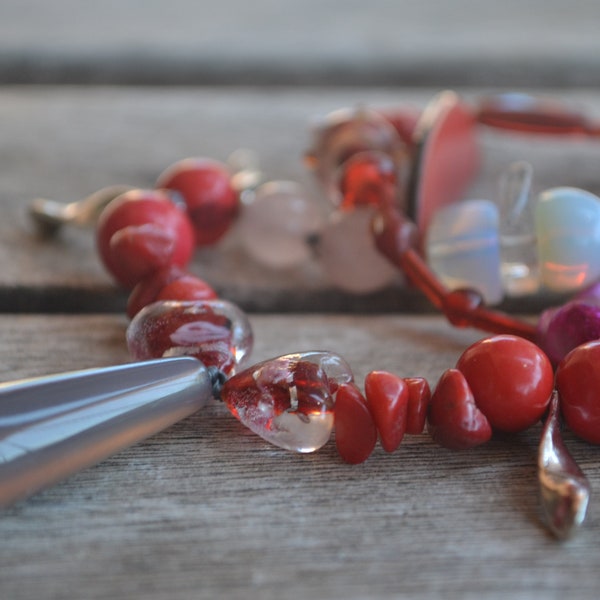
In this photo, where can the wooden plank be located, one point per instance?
(544, 42)
(207, 510)
(64, 143)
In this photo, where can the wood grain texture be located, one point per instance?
(207, 510)
(64, 143)
(383, 42)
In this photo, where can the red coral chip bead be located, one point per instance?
(578, 384)
(454, 421)
(355, 431)
(419, 397)
(387, 397)
(511, 379)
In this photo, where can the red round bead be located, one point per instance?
(140, 231)
(578, 384)
(355, 432)
(511, 380)
(205, 186)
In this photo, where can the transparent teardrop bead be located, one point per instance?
(289, 400)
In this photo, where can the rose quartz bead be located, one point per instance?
(349, 256)
(216, 332)
(289, 400)
(275, 225)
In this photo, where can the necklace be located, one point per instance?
(146, 239)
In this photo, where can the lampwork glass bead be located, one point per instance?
(275, 225)
(519, 264)
(289, 400)
(216, 332)
(345, 133)
(463, 247)
(567, 223)
(349, 256)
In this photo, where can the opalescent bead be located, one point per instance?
(289, 400)
(463, 247)
(349, 255)
(567, 223)
(216, 332)
(275, 225)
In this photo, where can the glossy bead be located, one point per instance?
(419, 397)
(519, 264)
(567, 223)
(578, 384)
(168, 283)
(393, 234)
(387, 397)
(275, 225)
(458, 304)
(454, 421)
(368, 178)
(463, 247)
(511, 380)
(345, 133)
(355, 431)
(349, 256)
(289, 400)
(214, 331)
(141, 231)
(205, 187)
(560, 330)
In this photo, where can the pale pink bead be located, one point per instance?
(275, 225)
(348, 254)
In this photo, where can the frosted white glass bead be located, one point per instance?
(275, 225)
(348, 254)
(463, 247)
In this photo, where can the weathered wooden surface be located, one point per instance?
(64, 143)
(208, 510)
(381, 42)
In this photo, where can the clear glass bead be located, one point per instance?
(216, 332)
(519, 265)
(275, 225)
(348, 254)
(289, 400)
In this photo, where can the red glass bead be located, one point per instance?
(205, 186)
(355, 431)
(289, 400)
(394, 234)
(368, 178)
(216, 332)
(387, 397)
(419, 397)
(511, 379)
(454, 421)
(578, 384)
(140, 231)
